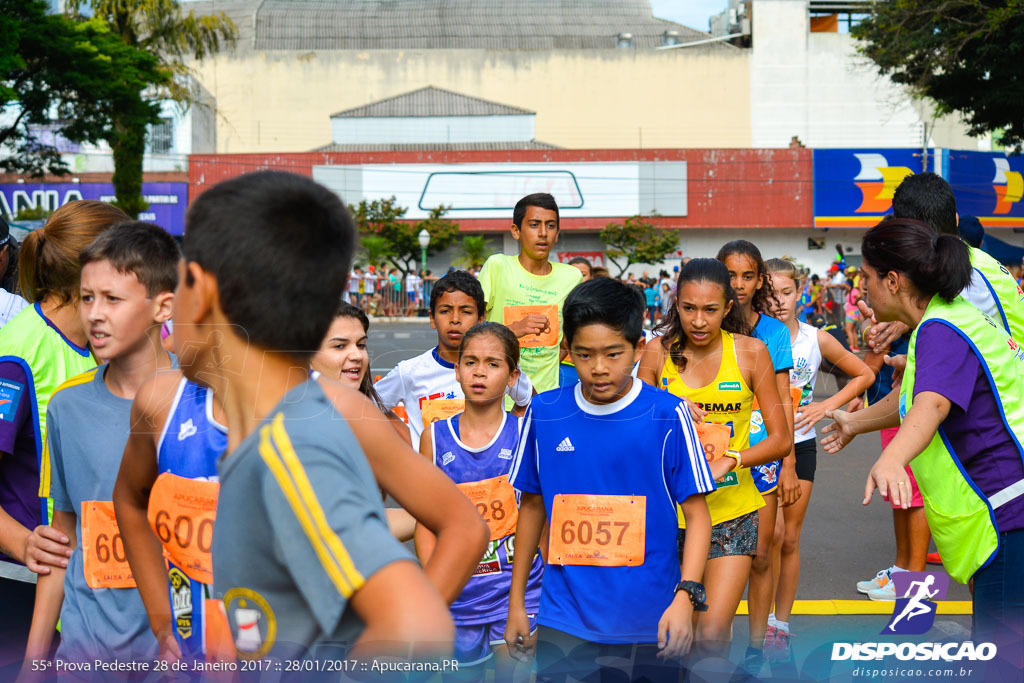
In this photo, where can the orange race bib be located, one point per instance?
(794, 394)
(495, 500)
(514, 314)
(601, 531)
(181, 513)
(714, 438)
(441, 409)
(103, 557)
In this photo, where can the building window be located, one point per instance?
(836, 17)
(161, 137)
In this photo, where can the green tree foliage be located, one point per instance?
(384, 218)
(966, 55)
(473, 251)
(160, 28)
(77, 72)
(375, 249)
(637, 241)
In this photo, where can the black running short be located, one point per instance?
(806, 459)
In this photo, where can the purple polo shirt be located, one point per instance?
(19, 467)
(947, 366)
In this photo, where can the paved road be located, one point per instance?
(843, 541)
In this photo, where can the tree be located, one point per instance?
(376, 249)
(473, 251)
(159, 28)
(61, 79)
(638, 241)
(383, 217)
(963, 54)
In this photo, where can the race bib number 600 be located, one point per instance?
(103, 556)
(181, 513)
(598, 530)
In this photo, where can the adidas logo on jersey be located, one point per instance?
(447, 458)
(186, 430)
(505, 454)
(566, 445)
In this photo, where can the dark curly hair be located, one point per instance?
(765, 297)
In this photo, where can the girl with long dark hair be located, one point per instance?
(756, 298)
(705, 356)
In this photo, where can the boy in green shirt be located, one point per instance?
(525, 292)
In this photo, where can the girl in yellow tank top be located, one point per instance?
(707, 357)
(726, 400)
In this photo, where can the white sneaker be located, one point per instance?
(881, 579)
(886, 593)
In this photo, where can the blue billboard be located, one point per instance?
(167, 201)
(988, 185)
(853, 188)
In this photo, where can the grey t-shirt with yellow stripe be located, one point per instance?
(300, 528)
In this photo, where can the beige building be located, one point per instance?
(598, 74)
(591, 70)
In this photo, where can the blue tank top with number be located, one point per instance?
(485, 597)
(189, 446)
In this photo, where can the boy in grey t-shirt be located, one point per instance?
(128, 278)
(86, 437)
(280, 561)
(302, 556)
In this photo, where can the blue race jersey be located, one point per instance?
(189, 447)
(775, 336)
(485, 597)
(643, 445)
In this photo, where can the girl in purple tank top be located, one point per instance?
(476, 448)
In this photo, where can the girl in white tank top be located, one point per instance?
(810, 345)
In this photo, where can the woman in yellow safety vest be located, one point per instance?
(961, 416)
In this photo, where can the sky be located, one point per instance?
(692, 13)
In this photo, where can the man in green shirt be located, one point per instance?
(526, 292)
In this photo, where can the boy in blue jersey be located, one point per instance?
(128, 278)
(603, 464)
(302, 557)
(167, 481)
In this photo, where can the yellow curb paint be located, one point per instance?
(848, 607)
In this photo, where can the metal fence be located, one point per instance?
(390, 302)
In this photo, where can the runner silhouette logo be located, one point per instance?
(914, 611)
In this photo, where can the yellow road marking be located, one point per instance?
(837, 607)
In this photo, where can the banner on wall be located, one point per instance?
(596, 258)
(988, 185)
(491, 190)
(853, 188)
(167, 201)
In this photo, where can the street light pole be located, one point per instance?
(424, 239)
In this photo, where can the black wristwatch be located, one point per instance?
(697, 594)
